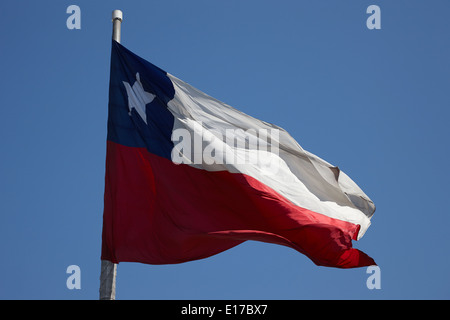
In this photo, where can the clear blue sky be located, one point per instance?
(373, 102)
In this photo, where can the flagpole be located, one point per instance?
(108, 269)
(117, 18)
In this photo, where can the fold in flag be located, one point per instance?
(188, 176)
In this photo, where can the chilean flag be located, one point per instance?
(188, 176)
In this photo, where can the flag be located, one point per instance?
(188, 176)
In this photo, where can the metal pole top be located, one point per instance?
(117, 14)
(117, 17)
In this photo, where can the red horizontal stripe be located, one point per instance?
(157, 212)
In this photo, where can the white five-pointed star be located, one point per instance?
(138, 98)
